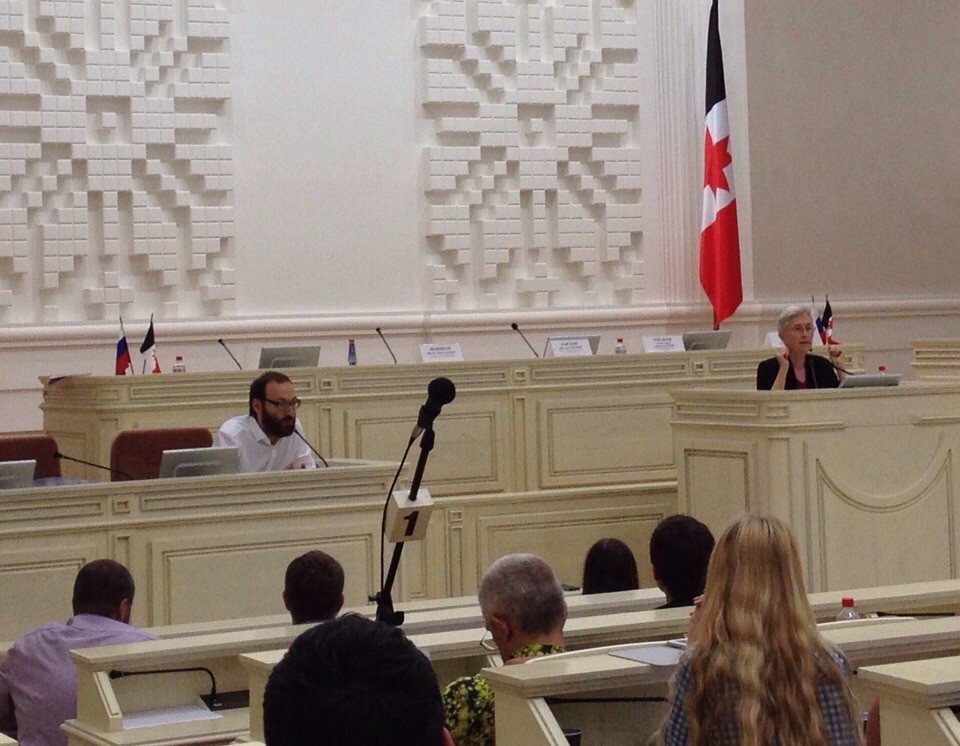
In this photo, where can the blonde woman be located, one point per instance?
(757, 671)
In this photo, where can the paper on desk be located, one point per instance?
(166, 715)
(655, 655)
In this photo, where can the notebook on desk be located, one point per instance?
(272, 358)
(869, 380)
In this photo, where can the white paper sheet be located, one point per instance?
(182, 714)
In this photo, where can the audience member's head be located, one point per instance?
(755, 635)
(353, 680)
(609, 566)
(104, 588)
(522, 603)
(680, 548)
(313, 587)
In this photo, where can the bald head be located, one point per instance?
(523, 588)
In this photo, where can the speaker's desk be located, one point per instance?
(866, 478)
(515, 425)
(919, 700)
(528, 714)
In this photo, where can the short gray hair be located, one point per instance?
(523, 588)
(789, 312)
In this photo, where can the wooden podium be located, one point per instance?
(866, 478)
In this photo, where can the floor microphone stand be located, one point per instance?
(385, 611)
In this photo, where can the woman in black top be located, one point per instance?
(793, 367)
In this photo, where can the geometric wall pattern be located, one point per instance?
(531, 170)
(116, 183)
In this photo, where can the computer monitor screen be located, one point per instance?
(272, 358)
(14, 474)
(715, 340)
(198, 462)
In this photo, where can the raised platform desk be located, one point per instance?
(515, 425)
(866, 478)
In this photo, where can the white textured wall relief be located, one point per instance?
(531, 171)
(115, 174)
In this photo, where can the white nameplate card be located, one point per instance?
(773, 340)
(440, 353)
(407, 520)
(570, 347)
(663, 343)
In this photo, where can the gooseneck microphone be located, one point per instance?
(386, 344)
(517, 330)
(440, 391)
(65, 457)
(310, 446)
(224, 346)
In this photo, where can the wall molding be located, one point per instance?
(427, 323)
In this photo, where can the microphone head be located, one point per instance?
(220, 341)
(377, 330)
(514, 326)
(441, 390)
(57, 454)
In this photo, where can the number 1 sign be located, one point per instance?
(406, 520)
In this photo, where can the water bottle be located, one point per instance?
(621, 348)
(352, 353)
(847, 610)
(178, 366)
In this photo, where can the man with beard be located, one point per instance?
(265, 437)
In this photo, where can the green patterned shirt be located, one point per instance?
(468, 703)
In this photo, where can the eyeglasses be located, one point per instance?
(488, 645)
(801, 328)
(283, 404)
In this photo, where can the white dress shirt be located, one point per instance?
(257, 453)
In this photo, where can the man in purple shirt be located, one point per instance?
(38, 681)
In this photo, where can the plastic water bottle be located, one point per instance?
(847, 610)
(352, 353)
(178, 366)
(621, 348)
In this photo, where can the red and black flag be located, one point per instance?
(719, 238)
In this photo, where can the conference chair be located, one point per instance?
(136, 454)
(39, 447)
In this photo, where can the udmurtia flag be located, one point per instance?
(719, 236)
(150, 345)
(825, 324)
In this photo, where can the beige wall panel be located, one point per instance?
(38, 583)
(563, 536)
(469, 455)
(708, 469)
(240, 573)
(913, 516)
(860, 190)
(608, 440)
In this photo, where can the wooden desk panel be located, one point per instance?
(214, 548)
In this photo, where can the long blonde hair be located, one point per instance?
(757, 658)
